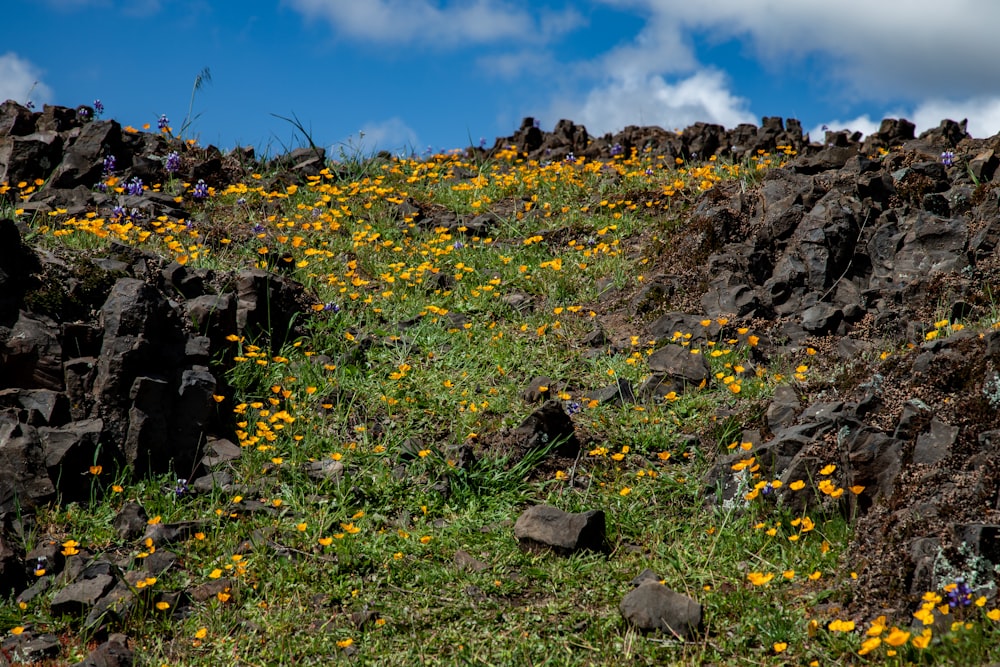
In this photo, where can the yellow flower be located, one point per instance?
(897, 637)
(162, 606)
(201, 633)
(869, 645)
(993, 614)
(625, 491)
(96, 470)
(840, 626)
(828, 469)
(924, 640)
(425, 539)
(759, 578)
(779, 647)
(215, 574)
(797, 485)
(877, 628)
(344, 643)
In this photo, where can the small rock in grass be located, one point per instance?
(653, 606)
(545, 527)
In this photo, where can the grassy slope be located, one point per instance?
(383, 540)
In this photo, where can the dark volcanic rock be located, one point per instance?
(653, 606)
(546, 527)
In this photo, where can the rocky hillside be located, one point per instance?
(878, 257)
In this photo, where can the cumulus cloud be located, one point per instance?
(20, 80)
(651, 100)
(422, 21)
(983, 114)
(878, 49)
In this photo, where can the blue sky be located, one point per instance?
(412, 74)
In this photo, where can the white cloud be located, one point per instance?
(983, 114)
(20, 80)
(392, 135)
(517, 63)
(878, 49)
(651, 100)
(422, 21)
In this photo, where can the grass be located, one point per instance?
(411, 352)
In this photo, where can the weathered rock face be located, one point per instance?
(128, 384)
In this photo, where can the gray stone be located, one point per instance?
(77, 598)
(784, 404)
(112, 653)
(935, 444)
(678, 362)
(548, 424)
(545, 527)
(131, 521)
(619, 393)
(465, 561)
(220, 450)
(32, 355)
(821, 318)
(26, 650)
(324, 470)
(218, 479)
(654, 607)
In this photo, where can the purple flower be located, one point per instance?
(173, 163)
(537, 123)
(29, 105)
(109, 165)
(200, 189)
(331, 307)
(163, 123)
(948, 158)
(573, 408)
(482, 142)
(134, 186)
(118, 212)
(181, 488)
(617, 149)
(960, 595)
(649, 171)
(457, 245)
(241, 201)
(570, 158)
(98, 107)
(83, 113)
